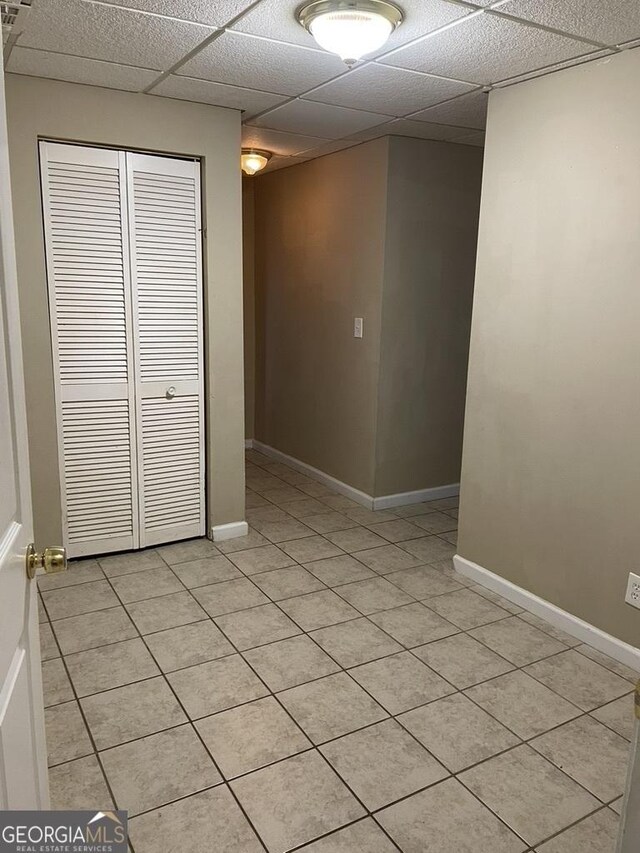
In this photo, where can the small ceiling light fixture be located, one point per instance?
(350, 28)
(253, 160)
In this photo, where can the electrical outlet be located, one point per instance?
(633, 591)
(357, 327)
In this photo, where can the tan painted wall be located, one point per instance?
(249, 300)
(67, 111)
(320, 230)
(551, 464)
(432, 229)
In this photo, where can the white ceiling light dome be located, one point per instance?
(350, 28)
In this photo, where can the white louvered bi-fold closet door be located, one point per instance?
(166, 275)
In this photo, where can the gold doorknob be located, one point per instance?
(52, 560)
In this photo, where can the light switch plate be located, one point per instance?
(357, 327)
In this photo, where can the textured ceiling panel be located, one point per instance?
(387, 90)
(261, 64)
(216, 13)
(607, 21)
(319, 119)
(486, 48)
(276, 19)
(475, 138)
(106, 32)
(219, 94)
(279, 143)
(466, 111)
(422, 130)
(39, 63)
(598, 54)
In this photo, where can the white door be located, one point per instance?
(23, 770)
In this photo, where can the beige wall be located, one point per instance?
(249, 301)
(320, 230)
(551, 465)
(432, 229)
(67, 111)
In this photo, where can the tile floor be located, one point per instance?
(326, 684)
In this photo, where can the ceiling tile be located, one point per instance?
(382, 89)
(465, 111)
(422, 130)
(216, 14)
(329, 148)
(218, 94)
(314, 119)
(262, 64)
(486, 48)
(281, 163)
(96, 31)
(288, 144)
(276, 19)
(598, 54)
(475, 138)
(74, 69)
(607, 21)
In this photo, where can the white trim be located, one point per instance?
(248, 444)
(222, 532)
(418, 497)
(616, 649)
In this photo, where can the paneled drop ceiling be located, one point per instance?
(429, 81)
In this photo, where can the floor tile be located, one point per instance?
(412, 510)
(192, 824)
(158, 769)
(374, 594)
(340, 502)
(310, 548)
(78, 786)
(67, 736)
(90, 630)
(206, 570)
(288, 663)
(365, 836)
(387, 559)
(413, 624)
(398, 530)
(48, 646)
(216, 686)
(609, 663)
(331, 707)
(304, 507)
(283, 531)
(130, 561)
(78, 571)
(110, 666)
(151, 583)
(618, 715)
(229, 596)
(296, 800)
(400, 682)
(190, 549)
(251, 736)
(462, 660)
(616, 805)
(447, 568)
(382, 763)
(358, 641)
(257, 518)
(242, 543)
(497, 599)
(42, 613)
(466, 609)
(287, 583)
(131, 712)
(583, 681)
(55, 683)
(517, 641)
(329, 521)
(451, 537)
(257, 626)
(356, 539)
(316, 490)
(261, 559)
(338, 570)
(444, 503)
(590, 753)
(253, 500)
(362, 515)
(318, 609)
(528, 793)
(597, 833)
(550, 629)
(83, 598)
(449, 819)
(429, 548)
(423, 582)
(457, 732)
(168, 611)
(435, 522)
(188, 645)
(283, 494)
(524, 705)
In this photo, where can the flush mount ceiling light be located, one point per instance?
(253, 160)
(350, 28)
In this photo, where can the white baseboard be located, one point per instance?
(338, 486)
(221, 532)
(248, 444)
(418, 497)
(584, 631)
